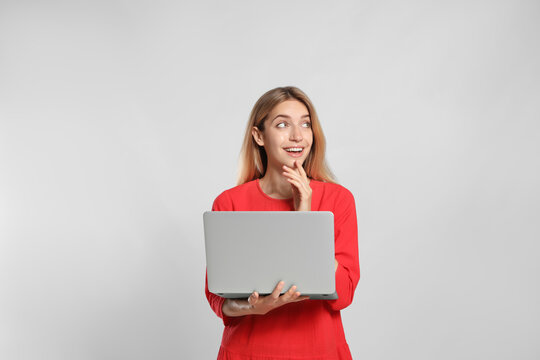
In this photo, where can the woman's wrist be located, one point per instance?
(236, 307)
(304, 205)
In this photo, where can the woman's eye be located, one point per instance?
(281, 125)
(307, 124)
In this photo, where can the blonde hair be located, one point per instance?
(253, 159)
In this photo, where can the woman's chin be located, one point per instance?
(290, 162)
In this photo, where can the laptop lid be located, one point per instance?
(250, 251)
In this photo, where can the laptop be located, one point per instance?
(250, 251)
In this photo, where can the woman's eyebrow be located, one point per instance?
(288, 117)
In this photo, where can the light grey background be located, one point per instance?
(121, 121)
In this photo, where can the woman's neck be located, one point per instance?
(275, 185)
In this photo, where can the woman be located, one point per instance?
(283, 168)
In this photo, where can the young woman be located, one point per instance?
(283, 168)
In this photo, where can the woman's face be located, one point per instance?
(287, 134)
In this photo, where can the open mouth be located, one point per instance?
(294, 151)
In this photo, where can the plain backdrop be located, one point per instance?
(121, 121)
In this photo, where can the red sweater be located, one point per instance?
(309, 329)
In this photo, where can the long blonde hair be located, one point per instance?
(253, 159)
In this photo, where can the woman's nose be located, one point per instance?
(296, 133)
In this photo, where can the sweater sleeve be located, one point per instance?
(221, 203)
(346, 249)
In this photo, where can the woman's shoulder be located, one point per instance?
(225, 199)
(240, 189)
(331, 190)
(331, 187)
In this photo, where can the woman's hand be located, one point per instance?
(300, 184)
(261, 305)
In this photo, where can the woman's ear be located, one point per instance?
(257, 136)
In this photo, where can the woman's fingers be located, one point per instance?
(300, 186)
(294, 296)
(301, 172)
(252, 299)
(301, 183)
(291, 173)
(277, 290)
(264, 304)
(298, 174)
(289, 294)
(294, 171)
(300, 189)
(296, 183)
(295, 177)
(300, 169)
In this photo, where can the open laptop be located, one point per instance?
(250, 251)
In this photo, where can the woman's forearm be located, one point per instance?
(236, 307)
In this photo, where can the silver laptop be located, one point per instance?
(250, 251)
